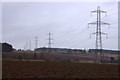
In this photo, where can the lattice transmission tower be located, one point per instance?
(98, 23)
(36, 42)
(98, 33)
(49, 40)
(49, 43)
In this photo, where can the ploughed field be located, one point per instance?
(46, 69)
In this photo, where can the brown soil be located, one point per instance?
(44, 69)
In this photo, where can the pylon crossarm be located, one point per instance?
(95, 11)
(92, 33)
(104, 23)
(103, 11)
(104, 34)
(93, 23)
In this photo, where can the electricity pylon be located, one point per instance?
(29, 45)
(49, 40)
(36, 42)
(99, 32)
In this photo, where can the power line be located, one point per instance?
(82, 30)
(87, 19)
(84, 40)
(85, 30)
(112, 9)
(75, 28)
(74, 37)
(88, 44)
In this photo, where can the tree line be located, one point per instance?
(5, 47)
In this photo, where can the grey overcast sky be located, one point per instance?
(67, 21)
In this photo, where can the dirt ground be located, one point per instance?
(44, 69)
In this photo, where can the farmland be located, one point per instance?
(45, 69)
(57, 65)
(62, 57)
